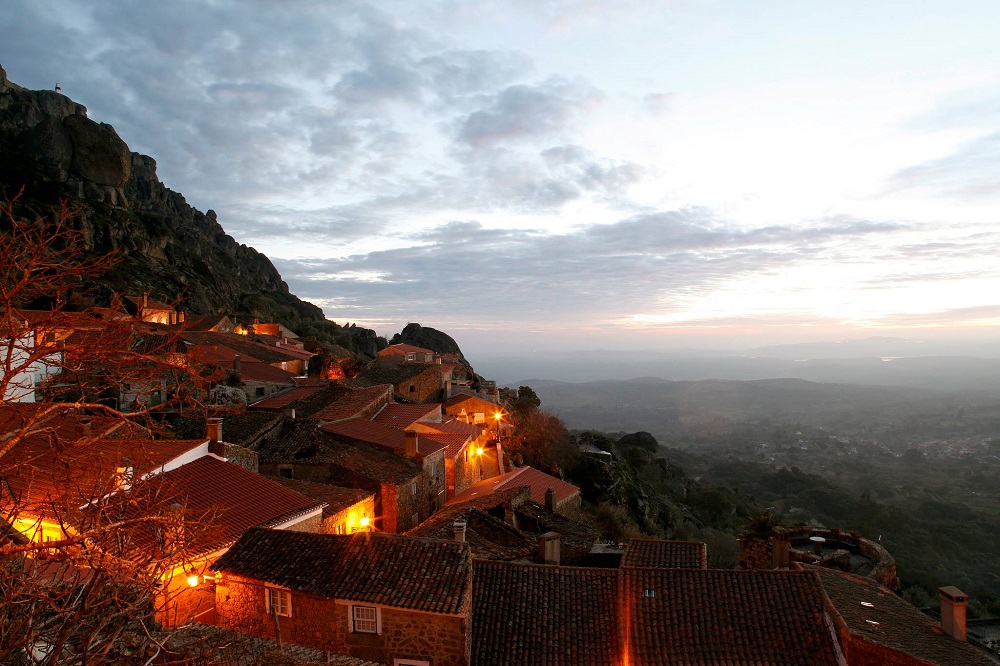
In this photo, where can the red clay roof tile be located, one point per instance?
(388, 569)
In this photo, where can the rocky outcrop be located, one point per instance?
(51, 149)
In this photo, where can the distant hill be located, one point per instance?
(954, 373)
(53, 151)
(713, 406)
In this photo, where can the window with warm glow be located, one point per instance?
(279, 602)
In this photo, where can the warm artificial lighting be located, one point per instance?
(479, 450)
(364, 521)
(498, 416)
(193, 581)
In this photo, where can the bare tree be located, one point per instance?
(87, 529)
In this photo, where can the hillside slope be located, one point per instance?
(52, 151)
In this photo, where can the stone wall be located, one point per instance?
(322, 624)
(425, 387)
(755, 553)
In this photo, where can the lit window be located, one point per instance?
(649, 593)
(338, 528)
(279, 602)
(365, 619)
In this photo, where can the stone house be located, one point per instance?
(472, 409)
(302, 450)
(409, 354)
(412, 382)
(468, 456)
(385, 598)
(426, 450)
(348, 510)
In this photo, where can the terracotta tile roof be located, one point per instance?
(456, 403)
(400, 416)
(237, 428)
(662, 554)
(901, 626)
(489, 537)
(392, 439)
(537, 480)
(684, 616)
(244, 345)
(388, 569)
(354, 403)
(336, 498)
(453, 443)
(577, 539)
(381, 373)
(204, 323)
(528, 614)
(262, 372)
(235, 498)
(302, 442)
(403, 348)
(280, 401)
(458, 427)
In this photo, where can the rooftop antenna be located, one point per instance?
(58, 87)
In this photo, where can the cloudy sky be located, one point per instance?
(537, 174)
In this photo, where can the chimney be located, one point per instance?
(290, 413)
(780, 549)
(412, 444)
(550, 500)
(237, 364)
(83, 428)
(213, 429)
(510, 517)
(460, 530)
(953, 603)
(549, 548)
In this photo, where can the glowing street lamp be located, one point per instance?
(192, 580)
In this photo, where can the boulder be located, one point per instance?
(99, 155)
(49, 142)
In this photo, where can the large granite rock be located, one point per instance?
(99, 155)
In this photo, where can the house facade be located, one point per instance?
(417, 614)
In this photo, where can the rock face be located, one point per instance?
(52, 150)
(428, 338)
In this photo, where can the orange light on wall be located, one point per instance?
(192, 580)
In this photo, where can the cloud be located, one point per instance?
(970, 173)
(466, 274)
(528, 111)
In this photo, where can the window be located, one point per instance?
(285, 471)
(338, 528)
(279, 602)
(415, 520)
(413, 488)
(260, 392)
(413, 388)
(480, 417)
(411, 357)
(649, 593)
(365, 620)
(409, 662)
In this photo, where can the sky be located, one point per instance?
(570, 174)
